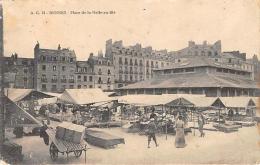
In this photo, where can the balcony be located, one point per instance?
(63, 80)
(120, 71)
(44, 80)
(54, 80)
(126, 72)
(71, 81)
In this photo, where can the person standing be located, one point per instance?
(151, 132)
(180, 136)
(47, 113)
(201, 122)
(153, 115)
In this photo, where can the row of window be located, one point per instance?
(131, 78)
(56, 58)
(135, 62)
(179, 70)
(100, 71)
(222, 70)
(203, 53)
(54, 87)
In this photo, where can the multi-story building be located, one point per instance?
(193, 49)
(103, 70)
(54, 69)
(198, 75)
(22, 69)
(84, 75)
(134, 63)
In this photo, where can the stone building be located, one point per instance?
(134, 63)
(84, 75)
(256, 65)
(193, 49)
(103, 70)
(54, 69)
(22, 69)
(198, 75)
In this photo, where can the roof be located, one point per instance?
(197, 100)
(52, 94)
(84, 96)
(236, 102)
(165, 99)
(110, 93)
(16, 116)
(46, 101)
(16, 94)
(196, 80)
(145, 100)
(199, 62)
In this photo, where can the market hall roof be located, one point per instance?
(193, 80)
(200, 62)
(84, 96)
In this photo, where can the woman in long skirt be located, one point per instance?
(180, 136)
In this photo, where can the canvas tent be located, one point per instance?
(237, 102)
(16, 94)
(84, 96)
(47, 101)
(15, 116)
(145, 100)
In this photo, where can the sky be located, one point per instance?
(162, 24)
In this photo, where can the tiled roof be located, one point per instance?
(196, 80)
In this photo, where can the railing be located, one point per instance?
(44, 80)
(54, 80)
(63, 80)
(71, 81)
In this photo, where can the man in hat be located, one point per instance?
(151, 132)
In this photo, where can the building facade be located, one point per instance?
(134, 63)
(22, 69)
(54, 69)
(103, 70)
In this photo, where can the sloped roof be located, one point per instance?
(16, 94)
(145, 100)
(150, 100)
(236, 102)
(190, 80)
(16, 116)
(84, 96)
(197, 100)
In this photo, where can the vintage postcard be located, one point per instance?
(129, 82)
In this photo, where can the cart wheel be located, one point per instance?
(53, 152)
(78, 153)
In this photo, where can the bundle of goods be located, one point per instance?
(70, 132)
(12, 152)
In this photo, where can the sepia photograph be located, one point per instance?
(129, 82)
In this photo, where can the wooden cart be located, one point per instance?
(64, 147)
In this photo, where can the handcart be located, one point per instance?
(64, 147)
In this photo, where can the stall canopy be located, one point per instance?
(16, 94)
(237, 102)
(47, 101)
(53, 94)
(200, 101)
(153, 100)
(16, 116)
(84, 96)
(145, 100)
